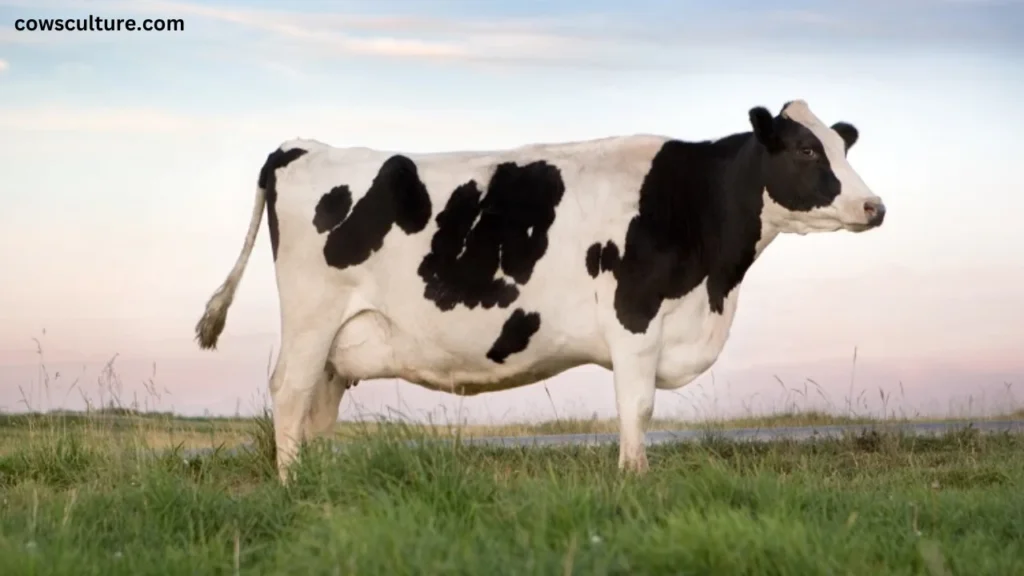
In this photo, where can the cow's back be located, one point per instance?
(460, 271)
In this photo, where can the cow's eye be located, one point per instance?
(809, 152)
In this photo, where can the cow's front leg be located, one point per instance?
(635, 369)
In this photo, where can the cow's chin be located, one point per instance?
(811, 225)
(858, 227)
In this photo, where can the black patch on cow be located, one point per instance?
(515, 335)
(510, 233)
(332, 209)
(700, 207)
(396, 196)
(268, 183)
(699, 218)
(594, 259)
(602, 258)
(609, 257)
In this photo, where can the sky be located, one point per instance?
(129, 160)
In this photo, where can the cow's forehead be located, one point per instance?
(799, 112)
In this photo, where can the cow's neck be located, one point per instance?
(752, 158)
(742, 233)
(768, 210)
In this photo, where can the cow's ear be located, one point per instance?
(847, 132)
(763, 123)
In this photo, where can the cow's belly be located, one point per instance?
(441, 355)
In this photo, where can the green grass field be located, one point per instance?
(112, 494)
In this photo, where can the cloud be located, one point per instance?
(574, 35)
(334, 34)
(667, 40)
(152, 120)
(508, 40)
(12, 36)
(73, 69)
(410, 128)
(63, 119)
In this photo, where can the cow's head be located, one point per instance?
(810, 185)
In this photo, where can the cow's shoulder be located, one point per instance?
(689, 228)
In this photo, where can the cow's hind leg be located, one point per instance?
(323, 408)
(294, 384)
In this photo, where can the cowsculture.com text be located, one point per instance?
(99, 24)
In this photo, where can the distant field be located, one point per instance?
(162, 431)
(108, 494)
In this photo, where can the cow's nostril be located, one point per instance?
(874, 212)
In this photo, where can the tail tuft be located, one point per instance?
(210, 326)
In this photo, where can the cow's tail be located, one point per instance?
(209, 327)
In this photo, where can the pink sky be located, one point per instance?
(129, 164)
(958, 361)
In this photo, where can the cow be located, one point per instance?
(473, 272)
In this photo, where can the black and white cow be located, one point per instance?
(474, 272)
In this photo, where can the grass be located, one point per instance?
(873, 503)
(111, 491)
